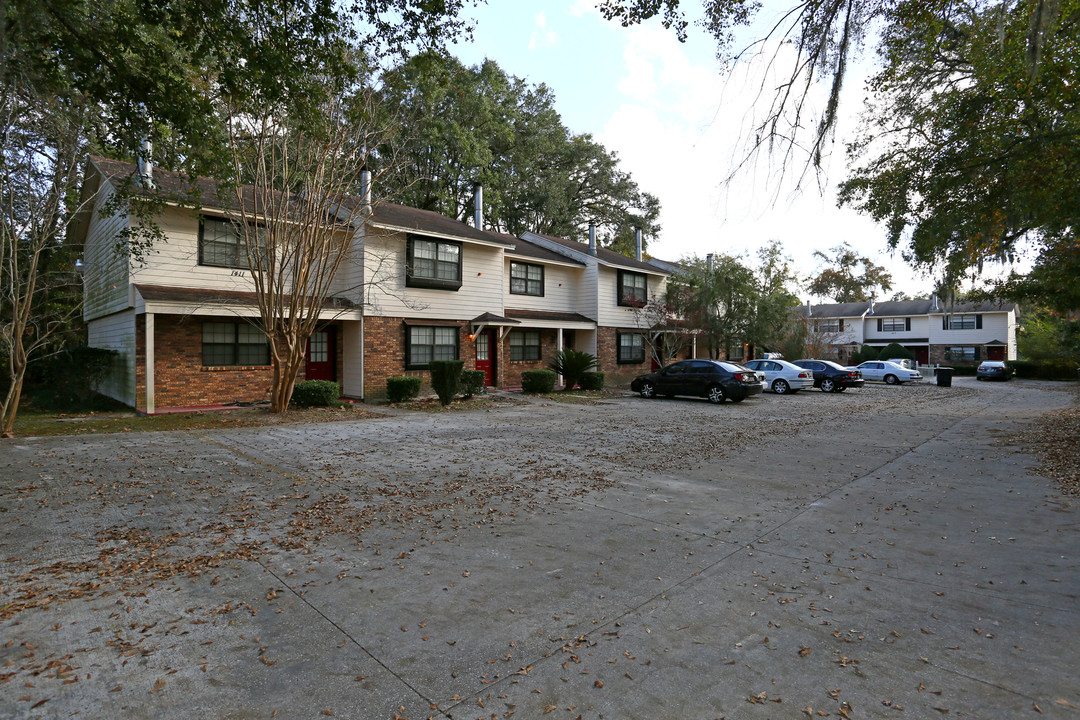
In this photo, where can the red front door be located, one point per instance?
(485, 355)
(995, 352)
(321, 356)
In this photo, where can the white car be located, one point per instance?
(904, 363)
(781, 377)
(888, 371)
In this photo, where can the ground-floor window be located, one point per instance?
(961, 353)
(631, 348)
(525, 345)
(426, 344)
(230, 343)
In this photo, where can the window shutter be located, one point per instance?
(977, 358)
(841, 325)
(879, 324)
(907, 324)
(978, 326)
(944, 322)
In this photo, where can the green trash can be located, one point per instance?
(944, 377)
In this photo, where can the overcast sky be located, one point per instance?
(675, 118)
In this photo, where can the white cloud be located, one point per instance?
(542, 36)
(579, 8)
(678, 132)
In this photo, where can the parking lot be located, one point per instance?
(884, 552)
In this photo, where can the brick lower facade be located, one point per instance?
(511, 376)
(616, 375)
(384, 354)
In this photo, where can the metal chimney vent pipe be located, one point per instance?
(637, 250)
(708, 262)
(592, 239)
(365, 192)
(478, 206)
(146, 167)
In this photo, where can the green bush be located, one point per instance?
(572, 364)
(472, 382)
(894, 350)
(1047, 370)
(68, 377)
(538, 381)
(866, 353)
(592, 381)
(446, 379)
(400, 389)
(315, 393)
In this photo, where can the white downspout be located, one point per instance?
(558, 348)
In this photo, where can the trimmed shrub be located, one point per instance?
(1048, 370)
(446, 379)
(400, 389)
(592, 381)
(895, 350)
(866, 353)
(538, 381)
(572, 364)
(472, 382)
(315, 393)
(68, 377)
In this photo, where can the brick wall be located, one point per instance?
(180, 379)
(616, 375)
(511, 375)
(937, 354)
(384, 354)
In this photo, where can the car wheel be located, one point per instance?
(828, 385)
(980, 378)
(648, 390)
(716, 394)
(780, 387)
(892, 380)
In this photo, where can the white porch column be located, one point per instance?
(693, 346)
(558, 348)
(149, 363)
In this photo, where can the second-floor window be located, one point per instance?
(526, 279)
(829, 326)
(633, 288)
(433, 264)
(894, 324)
(221, 244)
(961, 322)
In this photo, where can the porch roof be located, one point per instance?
(208, 297)
(490, 318)
(549, 316)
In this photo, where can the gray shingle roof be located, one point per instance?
(609, 256)
(532, 250)
(903, 308)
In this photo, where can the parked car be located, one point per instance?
(888, 371)
(993, 370)
(742, 366)
(713, 379)
(904, 363)
(830, 376)
(781, 376)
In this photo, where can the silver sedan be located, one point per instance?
(782, 377)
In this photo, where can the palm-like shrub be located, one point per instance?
(572, 364)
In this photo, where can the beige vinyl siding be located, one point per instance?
(562, 289)
(481, 290)
(175, 262)
(116, 332)
(995, 326)
(105, 271)
(610, 313)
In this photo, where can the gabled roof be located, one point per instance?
(903, 308)
(532, 250)
(548, 315)
(426, 221)
(608, 257)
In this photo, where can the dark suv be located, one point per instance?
(831, 377)
(712, 379)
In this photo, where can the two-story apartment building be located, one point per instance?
(416, 287)
(935, 332)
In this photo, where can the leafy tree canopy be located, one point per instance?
(467, 125)
(841, 279)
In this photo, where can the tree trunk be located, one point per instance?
(10, 407)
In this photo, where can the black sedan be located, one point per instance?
(831, 377)
(993, 370)
(713, 379)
